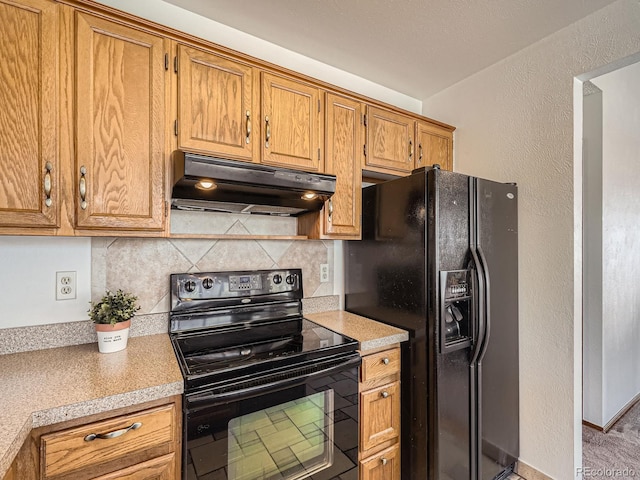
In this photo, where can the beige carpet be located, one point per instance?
(618, 449)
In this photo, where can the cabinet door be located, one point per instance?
(343, 159)
(382, 466)
(120, 125)
(29, 190)
(291, 123)
(435, 145)
(390, 145)
(380, 415)
(215, 105)
(161, 468)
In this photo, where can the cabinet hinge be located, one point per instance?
(166, 61)
(318, 154)
(166, 208)
(318, 105)
(364, 150)
(175, 127)
(175, 64)
(364, 119)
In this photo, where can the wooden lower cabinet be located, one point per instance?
(379, 451)
(142, 442)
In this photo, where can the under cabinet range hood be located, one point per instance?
(207, 183)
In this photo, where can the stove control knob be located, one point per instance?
(277, 279)
(291, 279)
(189, 285)
(207, 283)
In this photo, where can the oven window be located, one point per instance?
(288, 441)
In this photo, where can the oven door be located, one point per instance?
(287, 425)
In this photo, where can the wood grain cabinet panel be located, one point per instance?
(381, 415)
(382, 466)
(217, 105)
(161, 468)
(120, 126)
(29, 166)
(340, 217)
(291, 127)
(434, 146)
(128, 440)
(390, 141)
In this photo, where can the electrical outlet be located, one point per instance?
(324, 272)
(65, 285)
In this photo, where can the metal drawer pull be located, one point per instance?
(117, 433)
(47, 184)
(383, 461)
(385, 360)
(83, 188)
(384, 394)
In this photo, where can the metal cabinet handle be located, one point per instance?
(385, 360)
(83, 188)
(114, 434)
(410, 149)
(47, 184)
(248, 126)
(384, 394)
(268, 132)
(420, 153)
(383, 461)
(330, 208)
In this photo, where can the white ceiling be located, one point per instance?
(415, 47)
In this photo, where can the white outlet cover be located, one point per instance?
(324, 272)
(66, 287)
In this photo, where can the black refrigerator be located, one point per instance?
(439, 258)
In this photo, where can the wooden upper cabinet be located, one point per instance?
(291, 126)
(434, 145)
(343, 159)
(29, 166)
(120, 126)
(390, 141)
(217, 105)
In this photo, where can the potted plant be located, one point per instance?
(112, 318)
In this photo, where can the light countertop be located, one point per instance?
(44, 387)
(372, 335)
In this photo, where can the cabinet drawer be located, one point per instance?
(380, 365)
(380, 415)
(161, 468)
(72, 450)
(385, 464)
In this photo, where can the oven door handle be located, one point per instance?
(212, 397)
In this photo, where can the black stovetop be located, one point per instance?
(209, 358)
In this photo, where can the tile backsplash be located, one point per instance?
(142, 266)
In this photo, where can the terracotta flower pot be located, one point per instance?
(112, 338)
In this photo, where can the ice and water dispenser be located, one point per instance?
(456, 309)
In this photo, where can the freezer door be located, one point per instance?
(497, 245)
(451, 384)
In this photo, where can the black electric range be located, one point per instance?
(242, 344)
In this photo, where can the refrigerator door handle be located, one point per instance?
(480, 297)
(487, 311)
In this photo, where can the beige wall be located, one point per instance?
(515, 123)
